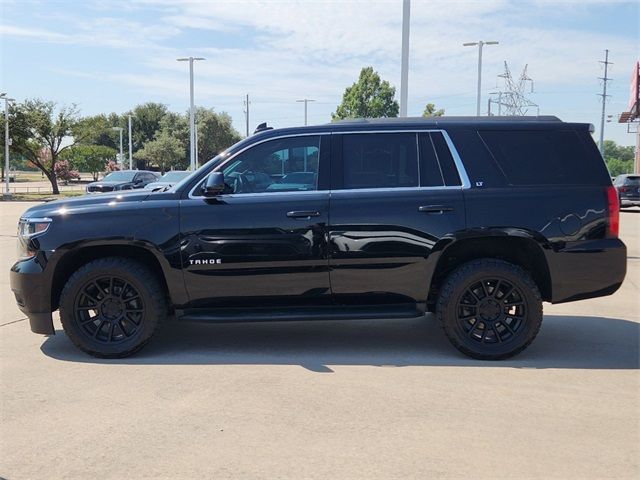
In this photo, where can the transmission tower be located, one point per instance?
(511, 101)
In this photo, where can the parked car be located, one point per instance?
(628, 187)
(479, 220)
(123, 180)
(168, 180)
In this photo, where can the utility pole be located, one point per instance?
(192, 121)
(196, 130)
(305, 100)
(480, 44)
(7, 141)
(604, 96)
(130, 146)
(246, 111)
(120, 129)
(404, 67)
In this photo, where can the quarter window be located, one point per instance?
(388, 160)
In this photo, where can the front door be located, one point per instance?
(264, 242)
(391, 201)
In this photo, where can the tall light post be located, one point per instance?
(192, 129)
(480, 44)
(7, 100)
(120, 129)
(305, 100)
(130, 146)
(404, 66)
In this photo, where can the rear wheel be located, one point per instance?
(111, 307)
(490, 309)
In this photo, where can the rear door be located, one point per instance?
(391, 201)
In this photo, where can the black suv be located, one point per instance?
(477, 220)
(628, 187)
(123, 180)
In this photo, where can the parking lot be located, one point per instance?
(341, 400)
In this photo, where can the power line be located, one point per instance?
(604, 96)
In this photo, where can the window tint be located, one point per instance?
(287, 164)
(385, 160)
(449, 170)
(430, 173)
(542, 157)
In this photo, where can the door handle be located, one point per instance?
(435, 208)
(303, 214)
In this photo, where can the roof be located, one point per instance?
(418, 123)
(444, 119)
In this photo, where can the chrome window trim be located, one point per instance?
(232, 156)
(464, 178)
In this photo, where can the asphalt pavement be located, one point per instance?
(328, 400)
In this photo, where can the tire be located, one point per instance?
(129, 306)
(489, 309)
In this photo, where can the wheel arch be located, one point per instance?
(518, 247)
(74, 258)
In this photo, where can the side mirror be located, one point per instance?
(214, 185)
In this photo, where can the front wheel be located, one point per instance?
(111, 307)
(490, 309)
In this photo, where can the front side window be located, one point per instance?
(282, 165)
(387, 160)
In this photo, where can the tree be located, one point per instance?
(369, 97)
(90, 158)
(619, 159)
(63, 171)
(215, 133)
(164, 152)
(430, 111)
(41, 132)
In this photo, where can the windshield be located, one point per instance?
(174, 176)
(119, 177)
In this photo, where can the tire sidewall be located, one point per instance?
(94, 271)
(498, 271)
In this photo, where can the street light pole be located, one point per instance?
(404, 66)
(121, 154)
(130, 146)
(7, 193)
(192, 137)
(305, 100)
(480, 44)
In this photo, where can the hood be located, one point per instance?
(110, 183)
(86, 202)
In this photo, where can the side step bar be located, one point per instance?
(338, 312)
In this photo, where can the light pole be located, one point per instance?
(130, 146)
(480, 44)
(192, 130)
(305, 100)
(7, 193)
(404, 66)
(120, 129)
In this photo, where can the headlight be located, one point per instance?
(31, 227)
(27, 230)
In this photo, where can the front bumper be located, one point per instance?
(32, 290)
(587, 269)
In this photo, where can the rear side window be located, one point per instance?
(542, 157)
(449, 171)
(387, 160)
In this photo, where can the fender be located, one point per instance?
(518, 245)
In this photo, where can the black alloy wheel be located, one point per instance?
(110, 307)
(490, 309)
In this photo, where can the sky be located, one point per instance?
(108, 56)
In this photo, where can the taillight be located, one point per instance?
(623, 189)
(613, 206)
